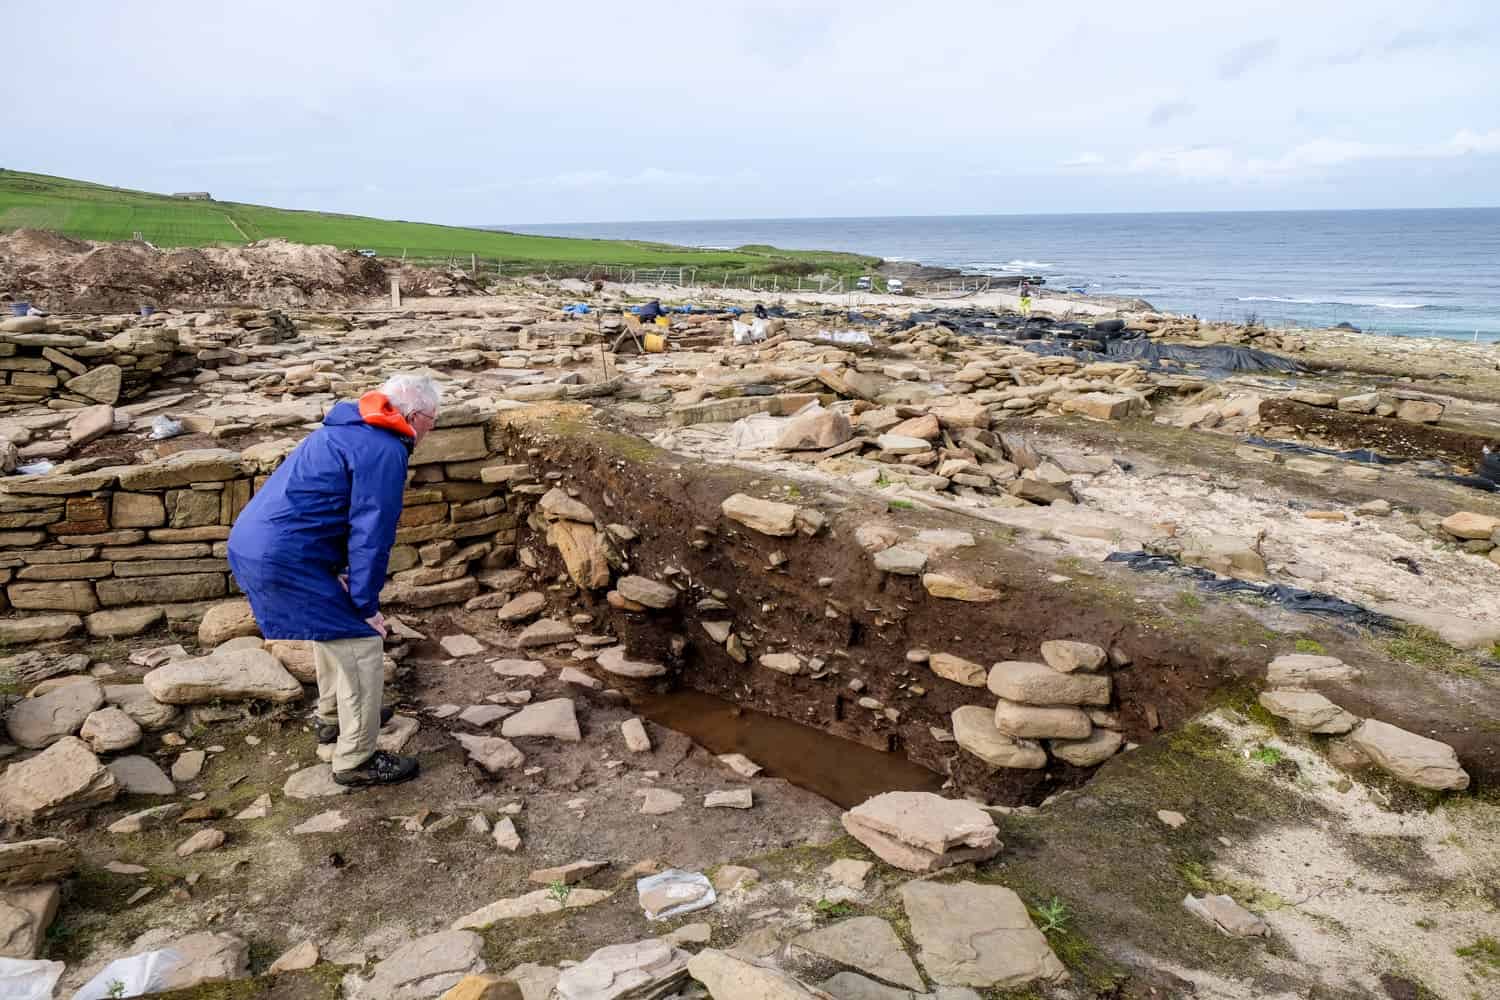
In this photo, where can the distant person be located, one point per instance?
(1025, 303)
(310, 552)
(760, 312)
(651, 310)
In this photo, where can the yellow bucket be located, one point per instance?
(663, 322)
(655, 344)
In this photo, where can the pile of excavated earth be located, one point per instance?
(1191, 631)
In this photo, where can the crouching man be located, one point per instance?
(310, 553)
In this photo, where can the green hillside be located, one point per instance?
(96, 212)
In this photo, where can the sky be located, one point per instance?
(500, 112)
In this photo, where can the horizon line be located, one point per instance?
(988, 215)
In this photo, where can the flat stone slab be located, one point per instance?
(615, 662)
(236, 675)
(493, 753)
(640, 969)
(1308, 711)
(141, 776)
(554, 719)
(977, 935)
(314, 782)
(422, 969)
(528, 905)
(1414, 759)
(1304, 669)
(867, 944)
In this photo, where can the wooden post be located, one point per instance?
(395, 293)
(473, 264)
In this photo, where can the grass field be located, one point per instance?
(96, 212)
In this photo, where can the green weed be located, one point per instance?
(1270, 756)
(1484, 952)
(1052, 916)
(1310, 646)
(901, 505)
(833, 909)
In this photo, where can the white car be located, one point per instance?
(895, 286)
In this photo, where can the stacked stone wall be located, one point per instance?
(114, 550)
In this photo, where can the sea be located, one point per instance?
(1407, 272)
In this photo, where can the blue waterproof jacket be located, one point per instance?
(331, 508)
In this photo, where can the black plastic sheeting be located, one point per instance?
(1364, 455)
(1105, 340)
(1310, 602)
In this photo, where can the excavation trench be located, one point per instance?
(822, 598)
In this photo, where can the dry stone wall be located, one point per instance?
(113, 550)
(73, 364)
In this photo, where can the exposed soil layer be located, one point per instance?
(1397, 438)
(61, 274)
(865, 621)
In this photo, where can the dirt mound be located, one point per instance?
(61, 274)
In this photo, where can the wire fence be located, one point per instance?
(697, 278)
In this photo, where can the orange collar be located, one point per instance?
(376, 410)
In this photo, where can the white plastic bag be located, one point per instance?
(22, 979)
(852, 338)
(38, 468)
(164, 427)
(752, 333)
(148, 972)
(693, 889)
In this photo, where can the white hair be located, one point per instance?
(412, 393)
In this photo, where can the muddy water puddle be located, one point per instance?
(843, 772)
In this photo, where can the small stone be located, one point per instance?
(1171, 818)
(295, 959)
(493, 753)
(206, 839)
(765, 516)
(460, 646)
(957, 589)
(1067, 656)
(735, 798)
(522, 607)
(849, 872)
(1227, 915)
(740, 764)
(901, 561)
(259, 809)
(331, 821)
(646, 592)
(956, 669)
(660, 801)
(636, 738)
(786, 663)
(108, 730)
(188, 766)
(505, 835)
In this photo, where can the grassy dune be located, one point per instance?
(96, 212)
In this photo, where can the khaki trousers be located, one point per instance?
(351, 679)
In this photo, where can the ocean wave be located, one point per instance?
(1354, 303)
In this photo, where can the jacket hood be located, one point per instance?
(374, 409)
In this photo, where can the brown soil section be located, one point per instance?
(864, 623)
(1397, 438)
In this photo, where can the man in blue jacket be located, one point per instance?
(310, 552)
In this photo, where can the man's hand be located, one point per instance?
(377, 622)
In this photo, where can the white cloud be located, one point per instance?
(1317, 156)
(1083, 160)
(648, 177)
(1191, 161)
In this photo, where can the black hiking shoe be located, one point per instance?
(380, 769)
(328, 732)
